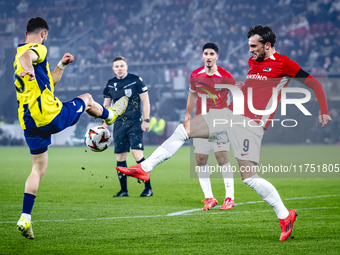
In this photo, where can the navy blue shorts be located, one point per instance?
(39, 138)
(128, 134)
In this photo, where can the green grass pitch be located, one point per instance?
(75, 212)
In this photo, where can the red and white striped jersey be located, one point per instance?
(276, 71)
(204, 84)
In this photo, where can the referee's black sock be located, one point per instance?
(122, 177)
(147, 183)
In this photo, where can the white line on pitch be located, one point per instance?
(315, 208)
(155, 216)
(250, 202)
(188, 212)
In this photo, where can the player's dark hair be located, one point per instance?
(210, 45)
(36, 24)
(265, 32)
(119, 58)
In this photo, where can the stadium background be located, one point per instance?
(75, 212)
(162, 42)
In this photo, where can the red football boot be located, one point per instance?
(135, 171)
(287, 224)
(209, 203)
(228, 204)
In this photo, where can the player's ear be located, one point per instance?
(26, 34)
(127, 67)
(268, 45)
(217, 56)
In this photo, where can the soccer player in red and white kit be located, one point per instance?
(202, 84)
(246, 140)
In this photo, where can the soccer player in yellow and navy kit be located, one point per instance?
(41, 113)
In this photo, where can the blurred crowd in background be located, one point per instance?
(162, 42)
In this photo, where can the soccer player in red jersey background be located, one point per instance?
(202, 84)
(267, 70)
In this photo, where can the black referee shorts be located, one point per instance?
(128, 134)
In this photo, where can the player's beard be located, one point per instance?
(209, 65)
(261, 55)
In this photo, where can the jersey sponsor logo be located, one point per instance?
(128, 92)
(267, 69)
(129, 84)
(207, 95)
(257, 77)
(243, 154)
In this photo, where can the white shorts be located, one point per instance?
(225, 127)
(203, 146)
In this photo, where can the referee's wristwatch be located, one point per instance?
(147, 120)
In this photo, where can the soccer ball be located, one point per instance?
(97, 138)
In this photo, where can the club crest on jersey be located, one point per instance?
(128, 92)
(267, 69)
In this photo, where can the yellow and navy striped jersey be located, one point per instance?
(37, 105)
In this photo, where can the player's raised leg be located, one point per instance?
(270, 195)
(195, 127)
(39, 165)
(110, 115)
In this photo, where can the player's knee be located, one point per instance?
(222, 162)
(39, 171)
(89, 98)
(201, 161)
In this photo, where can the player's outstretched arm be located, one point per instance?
(316, 86)
(26, 61)
(58, 71)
